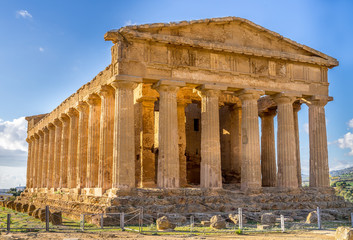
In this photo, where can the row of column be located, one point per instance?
(93, 146)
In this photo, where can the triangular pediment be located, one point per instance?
(230, 34)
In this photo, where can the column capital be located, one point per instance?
(73, 112)
(93, 99)
(168, 85)
(210, 90)
(319, 100)
(64, 118)
(183, 102)
(106, 91)
(270, 112)
(82, 106)
(119, 84)
(45, 129)
(249, 94)
(40, 133)
(28, 140)
(147, 101)
(51, 126)
(285, 97)
(297, 106)
(32, 137)
(57, 122)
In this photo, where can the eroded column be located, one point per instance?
(51, 156)
(296, 108)
(83, 109)
(168, 155)
(45, 158)
(94, 103)
(211, 171)
(148, 170)
(235, 141)
(181, 104)
(40, 159)
(33, 162)
(268, 149)
(29, 162)
(72, 151)
(36, 161)
(124, 136)
(319, 170)
(57, 155)
(64, 149)
(107, 94)
(250, 166)
(286, 146)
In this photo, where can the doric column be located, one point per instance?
(235, 140)
(148, 171)
(29, 162)
(268, 149)
(286, 147)
(211, 171)
(124, 137)
(57, 155)
(107, 94)
(72, 151)
(94, 103)
(296, 108)
(250, 165)
(45, 158)
(64, 118)
(319, 170)
(181, 104)
(51, 156)
(36, 161)
(168, 156)
(82, 145)
(33, 161)
(40, 159)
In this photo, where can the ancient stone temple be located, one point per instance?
(177, 113)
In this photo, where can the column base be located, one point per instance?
(150, 184)
(92, 192)
(115, 192)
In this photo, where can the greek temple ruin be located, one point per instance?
(179, 108)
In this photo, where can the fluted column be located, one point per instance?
(57, 155)
(124, 137)
(51, 155)
(181, 104)
(107, 94)
(29, 162)
(250, 165)
(211, 171)
(286, 147)
(235, 140)
(45, 158)
(81, 164)
(268, 149)
(33, 161)
(64, 118)
(94, 103)
(319, 170)
(40, 159)
(148, 171)
(296, 108)
(168, 156)
(36, 161)
(72, 151)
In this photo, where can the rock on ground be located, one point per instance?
(56, 218)
(344, 233)
(217, 222)
(312, 217)
(235, 218)
(163, 224)
(268, 218)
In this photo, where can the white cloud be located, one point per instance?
(23, 14)
(350, 123)
(12, 177)
(340, 165)
(346, 142)
(13, 134)
(129, 23)
(306, 127)
(41, 49)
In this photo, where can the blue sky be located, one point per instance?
(48, 49)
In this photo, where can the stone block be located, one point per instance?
(163, 224)
(312, 217)
(31, 209)
(263, 227)
(56, 218)
(235, 218)
(218, 222)
(344, 233)
(25, 207)
(18, 207)
(268, 218)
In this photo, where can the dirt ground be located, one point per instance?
(313, 235)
